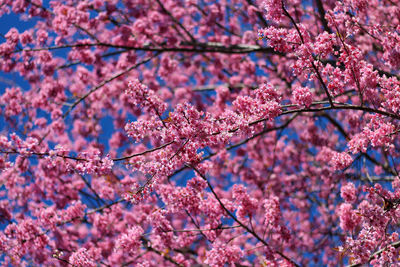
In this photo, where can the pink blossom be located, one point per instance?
(222, 253)
(81, 258)
(75, 211)
(349, 219)
(141, 94)
(302, 96)
(272, 211)
(12, 36)
(348, 192)
(150, 133)
(274, 9)
(130, 241)
(246, 204)
(341, 160)
(358, 143)
(41, 36)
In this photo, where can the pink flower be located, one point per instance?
(263, 102)
(75, 211)
(274, 10)
(348, 192)
(341, 160)
(302, 96)
(142, 95)
(12, 36)
(222, 253)
(41, 36)
(247, 206)
(358, 143)
(272, 211)
(349, 219)
(81, 258)
(130, 241)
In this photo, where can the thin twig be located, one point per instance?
(94, 89)
(144, 152)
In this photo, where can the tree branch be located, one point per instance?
(236, 220)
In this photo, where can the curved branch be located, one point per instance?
(377, 253)
(209, 47)
(253, 233)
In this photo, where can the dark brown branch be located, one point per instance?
(238, 221)
(201, 230)
(177, 22)
(165, 256)
(212, 87)
(377, 253)
(312, 62)
(144, 152)
(321, 12)
(339, 106)
(210, 47)
(44, 154)
(259, 14)
(216, 23)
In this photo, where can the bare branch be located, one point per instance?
(94, 89)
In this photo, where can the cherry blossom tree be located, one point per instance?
(201, 133)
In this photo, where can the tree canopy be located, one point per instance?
(200, 133)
